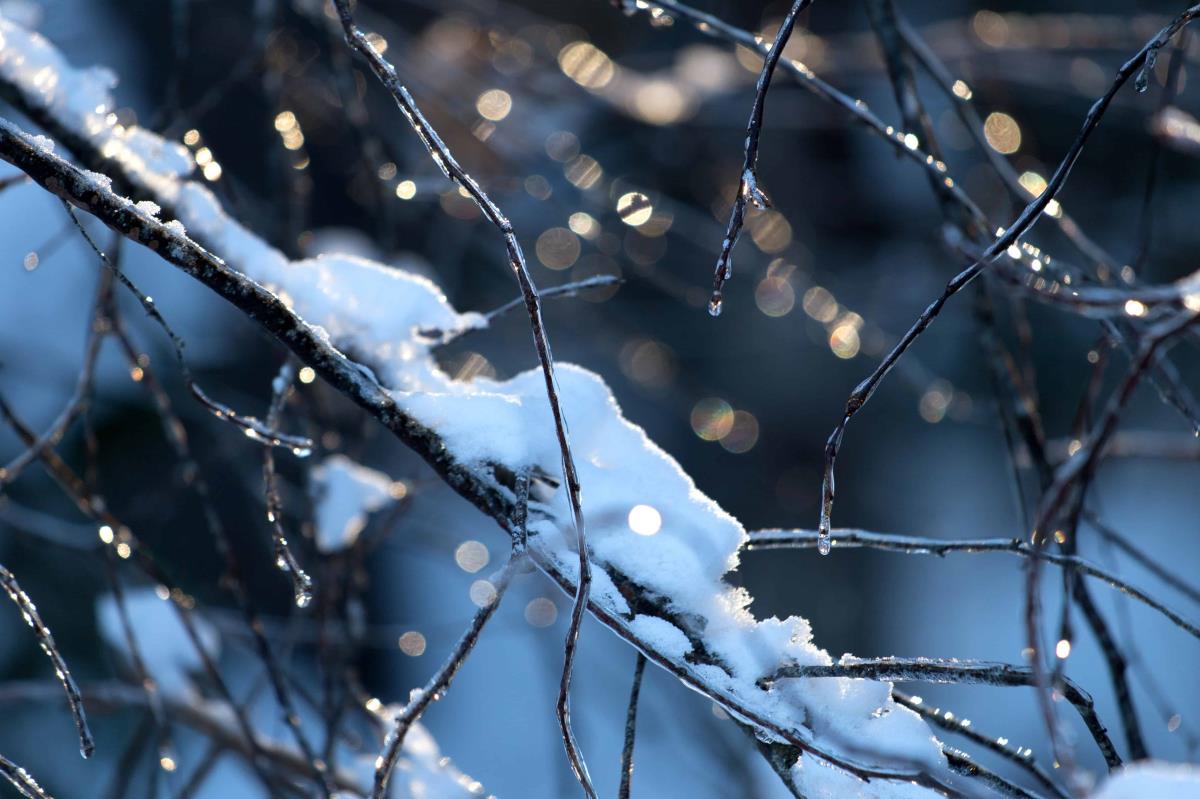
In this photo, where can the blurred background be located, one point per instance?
(614, 144)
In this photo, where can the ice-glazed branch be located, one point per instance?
(1064, 498)
(945, 720)
(264, 433)
(566, 290)
(445, 160)
(285, 558)
(631, 729)
(438, 684)
(1136, 553)
(748, 190)
(208, 719)
(254, 429)
(29, 612)
(960, 763)
(22, 780)
(915, 545)
(76, 403)
(964, 672)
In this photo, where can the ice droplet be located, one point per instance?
(1142, 81)
(714, 305)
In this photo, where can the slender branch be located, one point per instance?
(566, 290)
(965, 672)
(22, 780)
(631, 729)
(264, 434)
(29, 611)
(253, 428)
(74, 407)
(1133, 551)
(915, 545)
(1022, 758)
(715, 27)
(962, 764)
(748, 190)
(207, 718)
(962, 102)
(437, 686)
(285, 559)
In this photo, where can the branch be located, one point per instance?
(22, 780)
(437, 686)
(1022, 758)
(914, 545)
(566, 290)
(626, 786)
(29, 612)
(285, 559)
(964, 672)
(748, 191)
(253, 428)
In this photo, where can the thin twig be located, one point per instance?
(1022, 758)
(960, 763)
(566, 290)
(253, 428)
(119, 536)
(631, 729)
(915, 545)
(1111, 535)
(965, 672)
(87, 745)
(22, 780)
(208, 719)
(77, 402)
(437, 686)
(234, 581)
(748, 190)
(285, 558)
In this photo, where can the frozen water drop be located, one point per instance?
(1142, 81)
(714, 305)
(302, 452)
